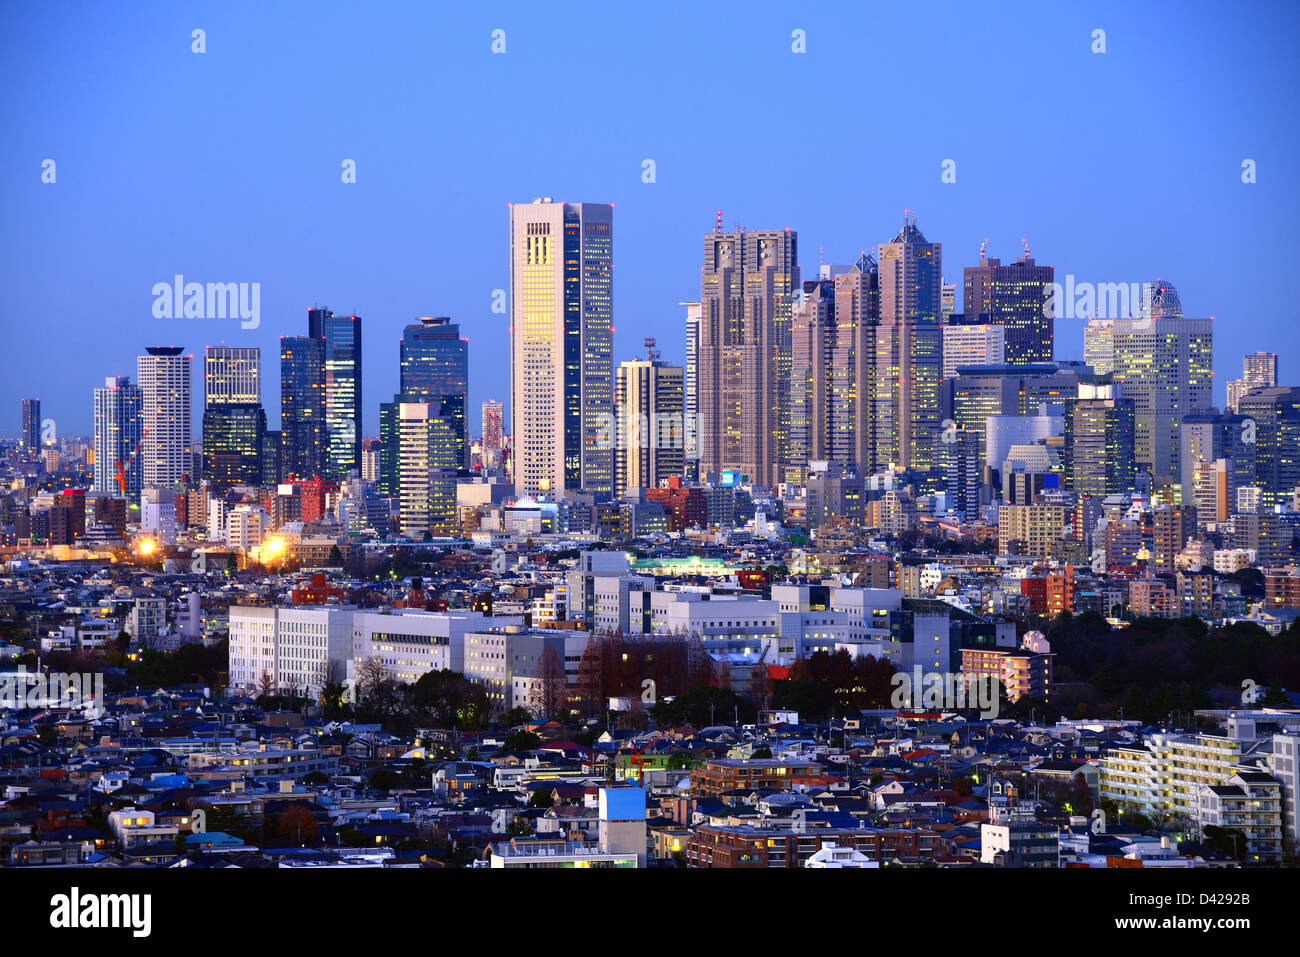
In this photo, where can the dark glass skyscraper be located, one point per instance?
(1014, 297)
(302, 405)
(435, 367)
(30, 439)
(341, 338)
(232, 444)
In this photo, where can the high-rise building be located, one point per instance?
(650, 398)
(978, 345)
(1258, 371)
(562, 368)
(1171, 528)
(909, 351)
(494, 438)
(1164, 362)
(948, 301)
(1272, 418)
(164, 377)
(1099, 435)
(119, 423)
(747, 287)
(29, 440)
(435, 368)
(426, 472)
(1208, 437)
(302, 406)
(1017, 297)
(692, 385)
(233, 434)
(853, 366)
(341, 339)
(813, 334)
(232, 374)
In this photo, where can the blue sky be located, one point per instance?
(225, 166)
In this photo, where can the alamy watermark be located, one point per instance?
(1097, 300)
(214, 300)
(945, 691)
(23, 689)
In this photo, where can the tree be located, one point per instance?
(521, 741)
(542, 798)
(554, 691)
(296, 824)
(336, 557)
(265, 685)
(516, 716)
(232, 564)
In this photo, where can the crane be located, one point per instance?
(120, 477)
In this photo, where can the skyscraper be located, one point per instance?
(812, 349)
(1164, 362)
(435, 368)
(29, 440)
(341, 340)
(493, 433)
(978, 345)
(232, 374)
(692, 386)
(164, 377)
(119, 422)
(853, 366)
(233, 433)
(1014, 296)
(748, 284)
(1208, 437)
(561, 336)
(1272, 418)
(651, 428)
(1258, 371)
(302, 405)
(1099, 435)
(909, 351)
(426, 472)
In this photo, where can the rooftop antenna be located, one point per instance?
(1024, 242)
(651, 352)
(717, 228)
(820, 250)
(983, 246)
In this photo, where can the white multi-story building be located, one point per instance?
(1249, 802)
(295, 648)
(411, 643)
(522, 667)
(246, 527)
(231, 374)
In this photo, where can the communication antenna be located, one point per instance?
(983, 247)
(717, 228)
(650, 349)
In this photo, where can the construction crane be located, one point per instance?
(120, 477)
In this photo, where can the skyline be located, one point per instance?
(225, 205)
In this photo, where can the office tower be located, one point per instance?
(747, 285)
(119, 423)
(29, 440)
(164, 378)
(947, 301)
(812, 348)
(1099, 346)
(1098, 450)
(977, 392)
(272, 457)
(692, 384)
(963, 473)
(427, 470)
(981, 345)
(853, 366)
(340, 337)
(493, 433)
(370, 460)
(435, 368)
(1258, 371)
(1001, 432)
(909, 351)
(1015, 296)
(1209, 437)
(561, 340)
(302, 406)
(233, 435)
(1164, 362)
(650, 398)
(1211, 491)
(232, 374)
(1272, 418)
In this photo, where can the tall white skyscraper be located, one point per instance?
(164, 378)
(692, 385)
(561, 343)
(232, 374)
(651, 439)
